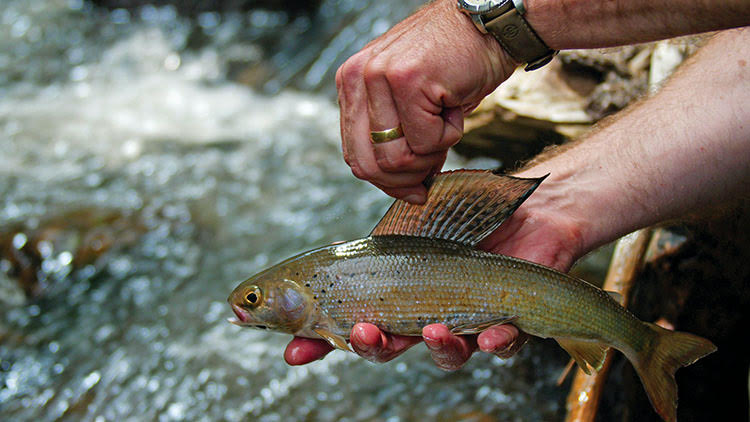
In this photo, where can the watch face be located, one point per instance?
(480, 6)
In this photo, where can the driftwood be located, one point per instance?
(564, 99)
(583, 399)
(628, 258)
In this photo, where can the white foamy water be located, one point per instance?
(215, 181)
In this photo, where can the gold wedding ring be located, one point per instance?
(380, 136)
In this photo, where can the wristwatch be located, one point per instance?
(504, 20)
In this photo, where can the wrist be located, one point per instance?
(498, 65)
(582, 198)
(494, 48)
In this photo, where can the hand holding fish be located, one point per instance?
(449, 351)
(527, 234)
(423, 83)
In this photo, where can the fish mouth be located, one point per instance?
(243, 318)
(237, 322)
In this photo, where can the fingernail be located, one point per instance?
(415, 198)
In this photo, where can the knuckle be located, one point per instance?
(350, 71)
(374, 70)
(401, 76)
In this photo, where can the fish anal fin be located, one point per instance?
(462, 205)
(478, 327)
(333, 339)
(587, 354)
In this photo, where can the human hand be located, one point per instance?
(449, 351)
(423, 75)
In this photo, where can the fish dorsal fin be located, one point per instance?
(587, 354)
(462, 205)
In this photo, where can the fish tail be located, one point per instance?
(657, 363)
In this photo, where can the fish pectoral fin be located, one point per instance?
(478, 327)
(587, 354)
(334, 340)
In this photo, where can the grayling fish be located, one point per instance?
(420, 266)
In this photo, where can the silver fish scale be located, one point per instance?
(402, 283)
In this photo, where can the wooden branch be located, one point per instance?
(583, 399)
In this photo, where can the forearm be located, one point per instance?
(566, 24)
(681, 151)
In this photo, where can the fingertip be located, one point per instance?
(366, 338)
(436, 333)
(301, 351)
(416, 198)
(414, 195)
(450, 352)
(497, 338)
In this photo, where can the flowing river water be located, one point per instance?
(140, 182)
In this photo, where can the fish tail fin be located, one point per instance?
(657, 364)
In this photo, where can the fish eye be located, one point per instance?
(253, 297)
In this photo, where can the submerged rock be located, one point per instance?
(35, 256)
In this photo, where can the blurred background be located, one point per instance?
(154, 153)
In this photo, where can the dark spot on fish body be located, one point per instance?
(315, 276)
(330, 285)
(307, 284)
(381, 299)
(322, 290)
(339, 300)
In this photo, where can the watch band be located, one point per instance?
(517, 38)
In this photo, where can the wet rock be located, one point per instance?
(35, 256)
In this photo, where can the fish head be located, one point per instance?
(268, 301)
